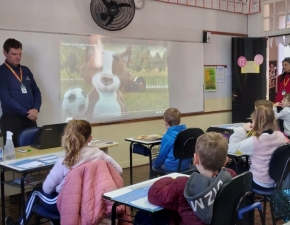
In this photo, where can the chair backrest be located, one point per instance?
(279, 165)
(228, 199)
(184, 144)
(26, 136)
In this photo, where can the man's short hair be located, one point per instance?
(11, 43)
(172, 116)
(264, 102)
(212, 149)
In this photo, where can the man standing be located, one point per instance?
(19, 95)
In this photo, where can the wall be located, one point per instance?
(156, 20)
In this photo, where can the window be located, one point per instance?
(276, 15)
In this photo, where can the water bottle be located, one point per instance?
(9, 152)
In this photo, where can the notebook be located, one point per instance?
(49, 136)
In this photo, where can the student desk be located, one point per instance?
(33, 154)
(225, 129)
(135, 196)
(150, 144)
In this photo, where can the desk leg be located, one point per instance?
(150, 161)
(2, 195)
(114, 213)
(131, 166)
(105, 150)
(23, 198)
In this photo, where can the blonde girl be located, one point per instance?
(75, 140)
(259, 147)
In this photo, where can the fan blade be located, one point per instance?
(110, 20)
(106, 3)
(124, 5)
(104, 16)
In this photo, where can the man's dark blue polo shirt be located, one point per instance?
(13, 101)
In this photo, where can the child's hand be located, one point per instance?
(248, 127)
(278, 104)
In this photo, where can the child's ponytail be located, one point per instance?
(264, 119)
(76, 134)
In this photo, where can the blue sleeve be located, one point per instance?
(164, 150)
(6, 99)
(36, 93)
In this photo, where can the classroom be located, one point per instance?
(158, 21)
(147, 24)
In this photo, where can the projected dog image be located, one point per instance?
(108, 76)
(112, 81)
(110, 101)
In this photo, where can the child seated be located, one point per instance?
(284, 114)
(75, 140)
(166, 159)
(259, 147)
(262, 102)
(186, 196)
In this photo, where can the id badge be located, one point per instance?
(23, 89)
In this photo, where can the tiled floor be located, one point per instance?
(140, 173)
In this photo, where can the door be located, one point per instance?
(249, 82)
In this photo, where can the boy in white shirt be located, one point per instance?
(284, 114)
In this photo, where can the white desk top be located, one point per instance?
(143, 141)
(36, 153)
(230, 126)
(288, 223)
(139, 202)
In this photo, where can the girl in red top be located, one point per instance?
(283, 84)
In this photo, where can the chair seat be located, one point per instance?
(45, 213)
(263, 192)
(187, 171)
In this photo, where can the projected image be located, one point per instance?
(112, 79)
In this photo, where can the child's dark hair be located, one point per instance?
(172, 116)
(263, 119)
(11, 43)
(282, 76)
(76, 134)
(212, 149)
(264, 102)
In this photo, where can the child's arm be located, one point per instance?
(164, 151)
(110, 160)
(167, 191)
(281, 115)
(55, 176)
(240, 142)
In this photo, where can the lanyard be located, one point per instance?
(285, 84)
(20, 79)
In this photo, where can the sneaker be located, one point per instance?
(10, 221)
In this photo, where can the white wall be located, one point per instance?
(156, 20)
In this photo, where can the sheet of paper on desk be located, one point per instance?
(138, 198)
(50, 157)
(151, 137)
(145, 204)
(32, 164)
(96, 142)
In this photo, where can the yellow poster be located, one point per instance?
(210, 83)
(251, 67)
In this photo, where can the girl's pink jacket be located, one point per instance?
(81, 201)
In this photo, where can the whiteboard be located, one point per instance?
(43, 53)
